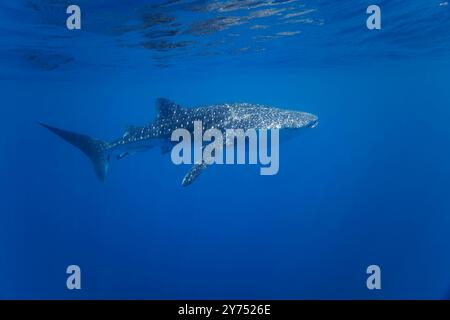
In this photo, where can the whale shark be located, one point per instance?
(170, 117)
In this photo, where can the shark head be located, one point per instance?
(288, 119)
(291, 123)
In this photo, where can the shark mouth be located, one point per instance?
(313, 124)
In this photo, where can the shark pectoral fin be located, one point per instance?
(193, 173)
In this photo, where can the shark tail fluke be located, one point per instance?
(95, 150)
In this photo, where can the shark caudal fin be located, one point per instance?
(96, 150)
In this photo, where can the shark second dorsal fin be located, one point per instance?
(128, 130)
(166, 108)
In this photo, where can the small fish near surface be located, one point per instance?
(222, 117)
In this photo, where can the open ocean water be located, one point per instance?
(369, 185)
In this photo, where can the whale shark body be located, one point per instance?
(171, 116)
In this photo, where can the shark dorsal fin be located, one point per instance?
(166, 108)
(128, 130)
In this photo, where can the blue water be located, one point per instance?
(369, 185)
